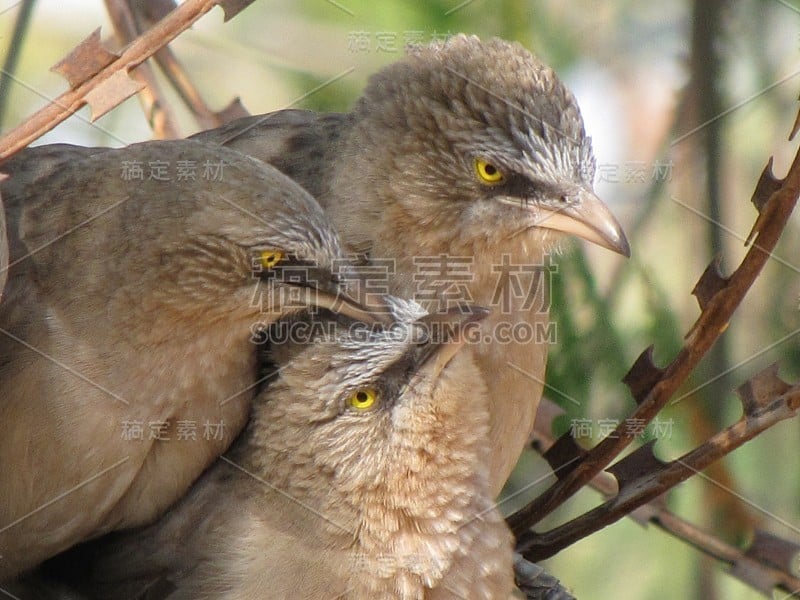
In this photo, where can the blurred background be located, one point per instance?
(685, 102)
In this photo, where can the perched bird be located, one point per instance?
(362, 474)
(462, 163)
(126, 360)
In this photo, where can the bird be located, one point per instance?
(459, 170)
(362, 473)
(138, 278)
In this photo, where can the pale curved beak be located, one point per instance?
(337, 300)
(587, 217)
(314, 286)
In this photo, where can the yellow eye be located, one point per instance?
(487, 172)
(363, 399)
(270, 258)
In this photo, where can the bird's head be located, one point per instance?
(215, 233)
(474, 142)
(376, 416)
(380, 437)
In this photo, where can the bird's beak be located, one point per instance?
(588, 218)
(315, 286)
(335, 298)
(446, 333)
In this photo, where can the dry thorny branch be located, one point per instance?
(131, 19)
(767, 563)
(640, 477)
(102, 79)
(635, 485)
(125, 20)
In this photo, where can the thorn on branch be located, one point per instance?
(147, 14)
(767, 185)
(652, 388)
(758, 392)
(564, 455)
(132, 56)
(710, 283)
(775, 551)
(769, 562)
(642, 477)
(642, 375)
(156, 109)
(233, 7)
(640, 463)
(84, 61)
(111, 93)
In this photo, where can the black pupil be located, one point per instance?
(362, 396)
(490, 170)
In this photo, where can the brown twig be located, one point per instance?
(642, 477)
(203, 114)
(652, 387)
(146, 14)
(157, 111)
(101, 79)
(760, 566)
(750, 566)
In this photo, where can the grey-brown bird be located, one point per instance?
(465, 162)
(137, 277)
(362, 474)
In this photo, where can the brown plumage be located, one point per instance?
(129, 303)
(362, 474)
(470, 150)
